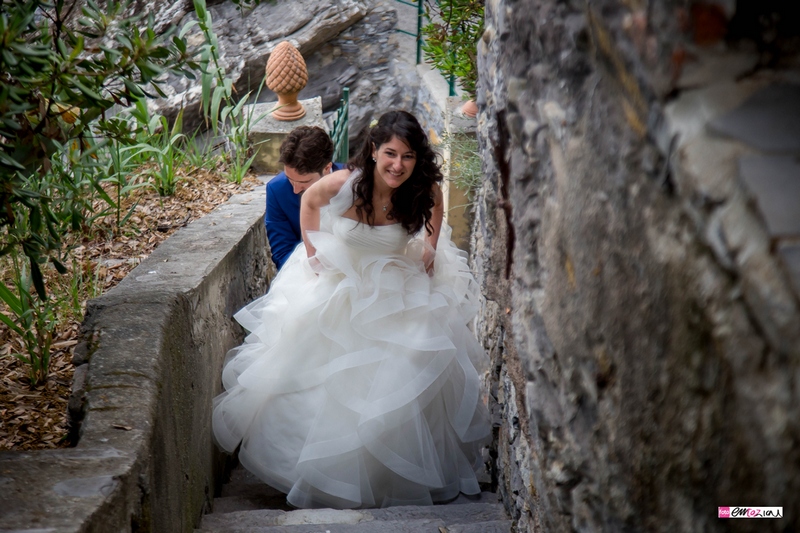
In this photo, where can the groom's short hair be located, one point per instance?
(307, 149)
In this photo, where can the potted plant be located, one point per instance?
(451, 39)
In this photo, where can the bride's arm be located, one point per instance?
(437, 214)
(315, 198)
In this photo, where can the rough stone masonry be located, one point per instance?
(638, 245)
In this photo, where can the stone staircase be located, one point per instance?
(247, 505)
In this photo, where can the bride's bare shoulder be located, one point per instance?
(326, 188)
(335, 180)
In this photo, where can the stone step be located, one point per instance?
(260, 498)
(493, 526)
(250, 502)
(483, 497)
(331, 519)
(390, 526)
(244, 482)
(247, 492)
(425, 525)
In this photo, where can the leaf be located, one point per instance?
(86, 90)
(11, 325)
(186, 27)
(94, 149)
(38, 279)
(59, 265)
(215, 101)
(200, 9)
(238, 109)
(206, 91)
(177, 126)
(131, 210)
(180, 44)
(154, 124)
(133, 88)
(9, 58)
(10, 299)
(103, 194)
(124, 41)
(157, 87)
(4, 159)
(225, 112)
(77, 49)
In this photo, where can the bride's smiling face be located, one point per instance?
(394, 162)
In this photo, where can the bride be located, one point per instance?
(357, 384)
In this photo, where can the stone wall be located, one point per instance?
(144, 386)
(637, 245)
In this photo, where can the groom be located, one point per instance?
(306, 156)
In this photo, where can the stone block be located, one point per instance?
(790, 254)
(689, 113)
(267, 134)
(712, 66)
(77, 396)
(769, 120)
(775, 183)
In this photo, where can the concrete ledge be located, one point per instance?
(155, 344)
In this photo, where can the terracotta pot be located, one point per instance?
(470, 109)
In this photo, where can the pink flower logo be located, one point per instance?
(723, 512)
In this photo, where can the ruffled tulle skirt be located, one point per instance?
(357, 384)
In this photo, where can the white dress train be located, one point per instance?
(357, 385)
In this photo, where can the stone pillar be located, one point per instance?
(267, 133)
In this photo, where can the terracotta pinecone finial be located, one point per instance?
(286, 76)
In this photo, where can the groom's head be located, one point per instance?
(306, 156)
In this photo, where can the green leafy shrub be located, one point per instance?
(61, 72)
(451, 39)
(57, 78)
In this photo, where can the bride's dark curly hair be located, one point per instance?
(413, 200)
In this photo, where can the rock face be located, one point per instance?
(247, 504)
(247, 37)
(636, 241)
(363, 58)
(344, 43)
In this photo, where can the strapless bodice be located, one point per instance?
(391, 239)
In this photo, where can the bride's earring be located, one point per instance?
(374, 160)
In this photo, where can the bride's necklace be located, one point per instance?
(385, 206)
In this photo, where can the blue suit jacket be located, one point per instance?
(282, 217)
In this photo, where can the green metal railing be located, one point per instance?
(340, 134)
(418, 36)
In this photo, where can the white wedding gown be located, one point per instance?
(358, 387)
